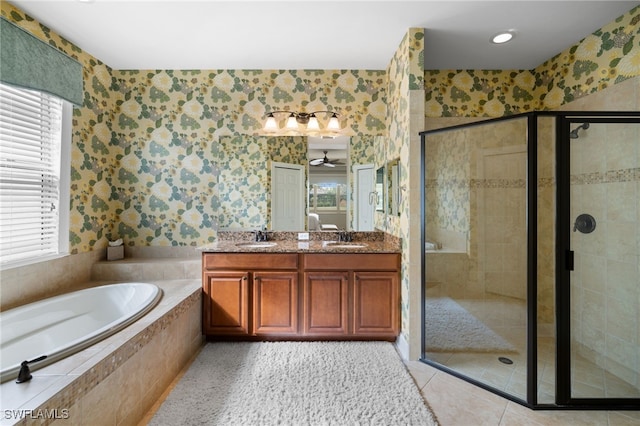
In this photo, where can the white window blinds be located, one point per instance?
(30, 141)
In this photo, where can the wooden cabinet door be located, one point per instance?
(325, 303)
(375, 304)
(226, 303)
(275, 303)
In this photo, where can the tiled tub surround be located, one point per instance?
(143, 358)
(26, 284)
(29, 283)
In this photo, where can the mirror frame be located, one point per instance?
(393, 187)
(380, 189)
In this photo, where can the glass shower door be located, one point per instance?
(599, 333)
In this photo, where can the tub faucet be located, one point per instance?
(25, 374)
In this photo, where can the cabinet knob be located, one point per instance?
(244, 278)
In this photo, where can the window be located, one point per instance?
(327, 196)
(34, 176)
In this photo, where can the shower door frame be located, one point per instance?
(564, 258)
(532, 263)
(563, 121)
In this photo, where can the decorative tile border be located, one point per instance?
(611, 176)
(476, 183)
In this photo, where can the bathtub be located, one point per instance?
(63, 325)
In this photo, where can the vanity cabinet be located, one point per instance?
(226, 303)
(275, 303)
(250, 294)
(361, 289)
(325, 304)
(308, 296)
(375, 304)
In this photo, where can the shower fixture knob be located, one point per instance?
(585, 223)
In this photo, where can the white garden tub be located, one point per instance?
(63, 325)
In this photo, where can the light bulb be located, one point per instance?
(292, 124)
(502, 37)
(271, 124)
(313, 123)
(334, 123)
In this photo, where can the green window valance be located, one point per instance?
(28, 62)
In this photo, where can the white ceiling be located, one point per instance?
(308, 34)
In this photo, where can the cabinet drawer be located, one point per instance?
(359, 261)
(261, 261)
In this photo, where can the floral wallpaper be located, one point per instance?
(244, 180)
(447, 183)
(93, 162)
(486, 93)
(170, 119)
(405, 73)
(608, 56)
(171, 122)
(145, 142)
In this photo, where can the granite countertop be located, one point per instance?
(319, 242)
(294, 246)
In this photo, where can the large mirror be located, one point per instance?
(243, 195)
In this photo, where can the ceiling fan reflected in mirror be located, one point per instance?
(324, 161)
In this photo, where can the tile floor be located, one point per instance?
(458, 403)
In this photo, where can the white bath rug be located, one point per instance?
(295, 383)
(450, 328)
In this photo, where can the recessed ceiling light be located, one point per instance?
(502, 37)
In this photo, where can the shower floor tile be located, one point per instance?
(507, 317)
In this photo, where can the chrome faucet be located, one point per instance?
(345, 236)
(261, 235)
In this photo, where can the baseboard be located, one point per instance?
(402, 347)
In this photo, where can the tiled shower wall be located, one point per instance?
(605, 182)
(476, 205)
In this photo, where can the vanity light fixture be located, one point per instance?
(503, 37)
(303, 122)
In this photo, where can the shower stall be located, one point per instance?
(531, 272)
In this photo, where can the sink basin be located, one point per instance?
(257, 244)
(344, 245)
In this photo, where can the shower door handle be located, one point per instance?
(568, 260)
